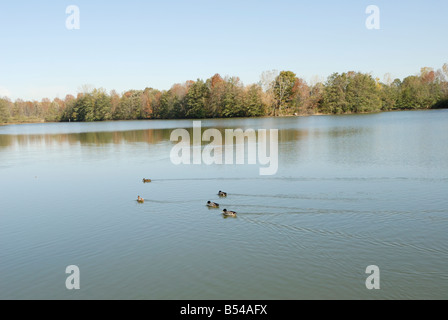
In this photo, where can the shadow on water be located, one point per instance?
(88, 138)
(6, 141)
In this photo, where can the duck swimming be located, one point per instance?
(140, 200)
(222, 194)
(229, 213)
(146, 180)
(212, 204)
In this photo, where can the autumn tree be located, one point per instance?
(421, 92)
(334, 99)
(216, 80)
(233, 99)
(217, 87)
(83, 109)
(150, 100)
(390, 94)
(171, 104)
(283, 90)
(130, 107)
(253, 101)
(316, 97)
(267, 83)
(54, 111)
(444, 86)
(301, 102)
(351, 92)
(362, 93)
(4, 111)
(180, 91)
(196, 99)
(168, 107)
(115, 102)
(102, 107)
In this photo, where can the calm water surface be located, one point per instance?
(351, 191)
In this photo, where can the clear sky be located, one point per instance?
(135, 44)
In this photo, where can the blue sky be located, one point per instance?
(135, 44)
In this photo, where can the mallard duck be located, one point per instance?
(229, 213)
(212, 204)
(140, 200)
(222, 194)
(146, 180)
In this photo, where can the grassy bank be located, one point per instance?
(22, 121)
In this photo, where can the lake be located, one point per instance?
(350, 192)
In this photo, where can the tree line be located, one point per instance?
(276, 94)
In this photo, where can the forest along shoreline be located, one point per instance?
(276, 94)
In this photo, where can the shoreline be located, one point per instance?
(318, 114)
(25, 122)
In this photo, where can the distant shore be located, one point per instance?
(31, 121)
(36, 121)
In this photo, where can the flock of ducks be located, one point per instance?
(215, 205)
(210, 204)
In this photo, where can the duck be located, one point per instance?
(147, 180)
(140, 200)
(212, 204)
(222, 194)
(227, 213)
